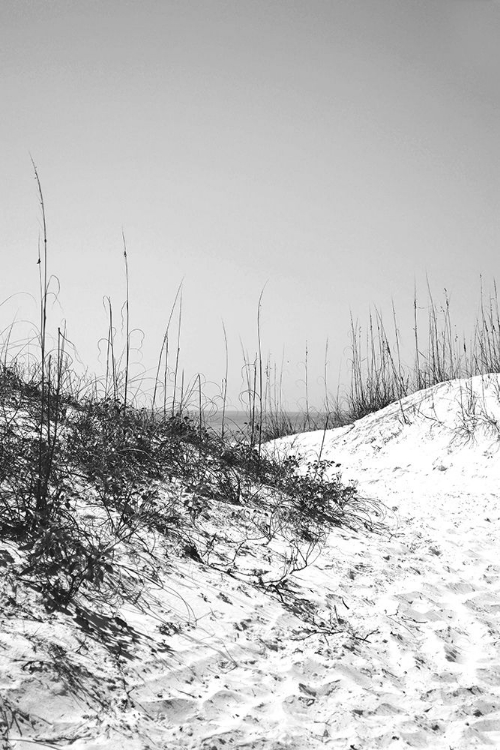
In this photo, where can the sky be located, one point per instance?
(327, 155)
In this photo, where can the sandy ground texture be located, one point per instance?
(386, 640)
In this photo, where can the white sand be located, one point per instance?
(387, 640)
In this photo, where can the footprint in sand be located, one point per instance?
(487, 603)
(352, 675)
(232, 738)
(452, 654)
(487, 725)
(490, 676)
(223, 702)
(386, 709)
(172, 710)
(460, 587)
(482, 707)
(298, 706)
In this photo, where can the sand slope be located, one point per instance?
(387, 640)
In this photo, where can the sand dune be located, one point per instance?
(387, 640)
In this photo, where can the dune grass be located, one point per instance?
(382, 367)
(88, 478)
(380, 376)
(83, 478)
(89, 466)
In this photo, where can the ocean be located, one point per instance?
(238, 421)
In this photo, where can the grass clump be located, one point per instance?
(84, 480)
(384, 368)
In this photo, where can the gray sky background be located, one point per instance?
(335, 152)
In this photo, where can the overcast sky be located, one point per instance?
(332, 151)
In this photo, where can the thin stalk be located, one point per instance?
(327, 407)
(41, 494)
(306, 385)
(110, 353)
(127, 325)
(260, 371)
(419, 380)
(164, 355)
(224, 383)
(200, 410)
(177, 354)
